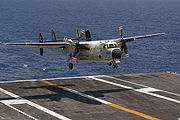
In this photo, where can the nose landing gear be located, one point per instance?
(114, 64)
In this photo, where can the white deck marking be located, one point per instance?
(100, 100)
(159, 96)
(140, 85)
(87, 96)
(21, 100)
(63, 78)
(147, 90)
(13, 102)
(2, 118)
(76, 92)
(22, 112)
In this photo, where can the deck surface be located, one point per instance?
(151, 96)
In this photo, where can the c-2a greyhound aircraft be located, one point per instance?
(84, 49)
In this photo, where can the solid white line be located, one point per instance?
(87, 96)
(171, 93)
(48, 111)
(10, 94)
(22, 112)
(76, 92)
(145, 91)
(73, 77)
(112, 83)
(125, 81)
(32, 104)
(62, 78)
(159, 96)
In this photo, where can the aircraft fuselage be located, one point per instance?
(96, 51)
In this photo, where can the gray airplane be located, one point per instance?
(84, 49)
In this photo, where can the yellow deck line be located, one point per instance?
(112, 105)
(133, 112)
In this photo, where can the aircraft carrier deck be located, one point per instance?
(151, 96)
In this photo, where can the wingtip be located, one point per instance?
(3, 43)
(163, 33)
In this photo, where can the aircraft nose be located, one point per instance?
(116, 54)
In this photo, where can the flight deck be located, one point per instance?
(143, 96)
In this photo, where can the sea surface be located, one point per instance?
(22, 20)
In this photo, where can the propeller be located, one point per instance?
(41, 41)
(78, 37)
(123, 42)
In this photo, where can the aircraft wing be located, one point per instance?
(40, 45)
(128, 39)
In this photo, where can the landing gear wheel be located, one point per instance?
(110, 63)
(70, 65)
(115, 66)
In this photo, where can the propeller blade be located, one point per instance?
(41, 41)
(123, 45)
(81, 34)
(41, 51)
(53, 35)
(124, 48)
(121, 31)
(40, 37)
(76, 33)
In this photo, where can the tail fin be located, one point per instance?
(88, 35)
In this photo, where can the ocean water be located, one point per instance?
(22, 20)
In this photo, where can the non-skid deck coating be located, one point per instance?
(151, 96)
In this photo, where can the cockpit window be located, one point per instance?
(115, 45)
(112, 46)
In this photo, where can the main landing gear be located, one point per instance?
(114, 64)
(70, 65)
